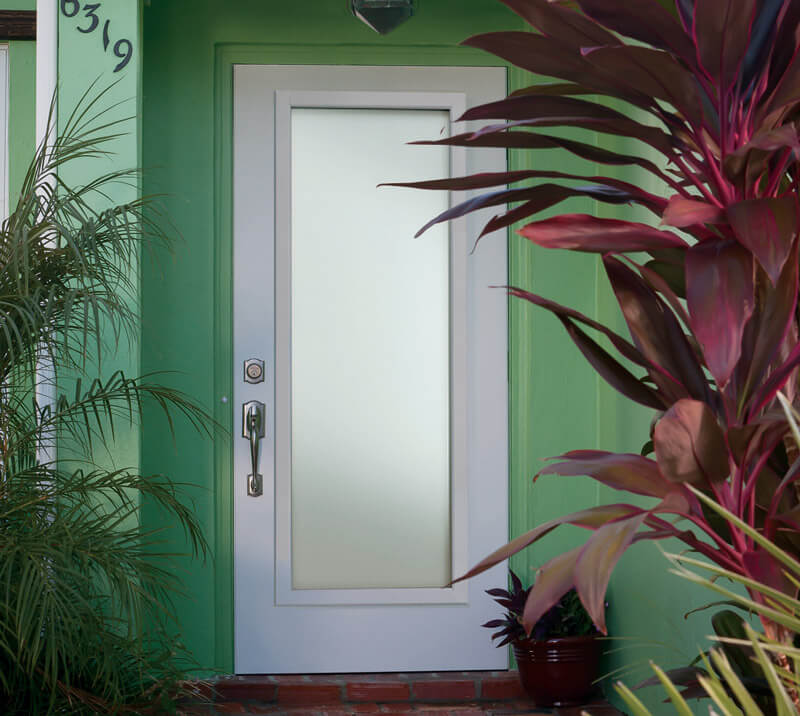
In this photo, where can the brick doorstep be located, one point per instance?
(451, 687)
(468, 693)
(487, 708)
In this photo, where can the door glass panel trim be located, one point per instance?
(455, 104)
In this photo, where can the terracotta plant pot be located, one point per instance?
(558, 672)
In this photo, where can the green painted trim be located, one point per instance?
(225, 57)
(223, 360)
(22, 113)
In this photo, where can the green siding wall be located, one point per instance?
(556, 402)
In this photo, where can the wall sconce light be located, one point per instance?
(383, 16)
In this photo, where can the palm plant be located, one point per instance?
(84, 592)
(713, 88)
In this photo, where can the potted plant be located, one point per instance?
(559, 661)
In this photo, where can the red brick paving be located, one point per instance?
(444, 690)
(377, 691)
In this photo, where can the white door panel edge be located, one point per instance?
(282, 630)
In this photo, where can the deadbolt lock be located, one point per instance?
(253, 370)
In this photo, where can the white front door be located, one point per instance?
(382, 471)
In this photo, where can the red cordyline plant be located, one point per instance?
(712, 309)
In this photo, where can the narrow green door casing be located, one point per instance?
(556, 402)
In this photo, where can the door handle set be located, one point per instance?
(253, 430)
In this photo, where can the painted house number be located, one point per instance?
(122, 49)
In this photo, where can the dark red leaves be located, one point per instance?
(591, 518)
(644, 20)
(768, 327)
(690, 446)
(652, 73)
(596, 562)
(622, 471)
(658, 335)
(540, 106)
(581, 232)
(766, 227)
(569, 27)
(612, 371)
(721, 29)
(719, 293)
(682, 212)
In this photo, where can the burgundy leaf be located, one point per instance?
(753, 157)
(768, 326)
(657, 334)
(790, 518)
(719, 293)
(766, 227)
(529, 140)
(651, 72)
(784, 46)
(660, 284)
(787, 90)
(596, 562)
(690, 446)
(622, 471)
(545, 195)
(498, 593)
(762, 567)
(466, 183)
(581, 232)
(612, 371)
(569, 27)
(622, 127)
(672, 274)
(681, 212)
(722, 32)
(540, 107)
(538, 198)
(759, 57)
(591, 518)
(553, 88)
(501, 221)
(643, 20)
(766, 393)
(491, 624)
(553, 580)
(614, 192)
(623, 346)
(550, 57)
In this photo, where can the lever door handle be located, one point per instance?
(253, 429)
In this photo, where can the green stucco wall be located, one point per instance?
(21, 116)
(21, 103)
(86, 74)
(556, 402)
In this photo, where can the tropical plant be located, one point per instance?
(84, 591)
(740, 675)
(709, 299)
(567, 617)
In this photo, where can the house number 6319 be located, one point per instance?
(90, 21)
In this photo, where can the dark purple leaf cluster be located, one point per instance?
(567, 617)
(708, 92)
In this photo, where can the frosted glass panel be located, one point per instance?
(369, 352)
